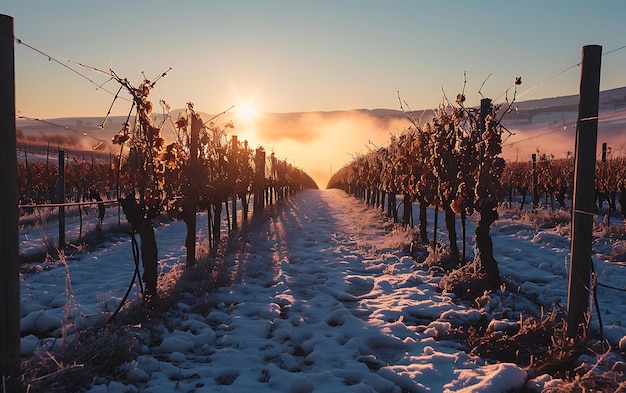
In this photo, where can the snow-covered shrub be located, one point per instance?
(438, 260)
(547, 219)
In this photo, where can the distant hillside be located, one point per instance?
(609, 99)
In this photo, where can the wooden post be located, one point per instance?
(9, 244)
(61, 198)
(535, 194)
(29, 180)
(234, 174)
(273, 178)
(485, 105)
(583, 200)
(244, 195)
(117, 186)
(191, 199)
(607, 193)
(259, 181)
(435, 224)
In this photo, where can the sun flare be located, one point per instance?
(246, 111)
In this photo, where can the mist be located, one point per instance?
(322, 142)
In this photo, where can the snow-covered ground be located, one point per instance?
(326, 302)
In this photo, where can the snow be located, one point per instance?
(325, 302)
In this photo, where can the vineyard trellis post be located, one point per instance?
(605, 191)
(535, 179)
(9, 245)
(233, 169)
(61, 198)
(191, 198)
(259, 181)
(29, 180)
(583, 199)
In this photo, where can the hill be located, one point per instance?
(549, 125)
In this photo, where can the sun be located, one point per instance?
(246, 111)
(246, 118)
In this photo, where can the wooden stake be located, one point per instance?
(259, 181)
(234, 175)
(584, 198)
(9, 244)
(61, 198)
(191, 199)
(535, 196)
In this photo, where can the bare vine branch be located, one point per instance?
(218, 115)
(409, 115)
(483, 84)
(518, 81)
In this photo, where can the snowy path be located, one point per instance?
(325, 304)
(322, 301)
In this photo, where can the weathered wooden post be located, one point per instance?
(117, 186)
(244, 195)
(583, 200)
(190, 203)
(9, 244)
(234, 175)
(61, 198)
(605, 192)
(535, 194)
(259, 181)
(29, 180)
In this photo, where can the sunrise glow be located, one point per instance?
(246, 112)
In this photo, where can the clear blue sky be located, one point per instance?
(291, 56)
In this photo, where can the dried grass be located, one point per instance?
(73, 365)
(466, 282)
(539, 344)
(79, 356)
(605, 375)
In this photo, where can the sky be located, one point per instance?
(286, 56)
